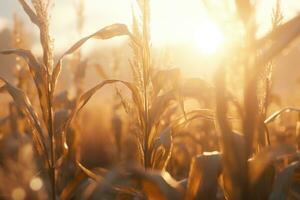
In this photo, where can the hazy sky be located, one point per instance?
(172, 19)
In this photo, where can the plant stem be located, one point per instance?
(146, 66)
(52, 149)
(52, 142)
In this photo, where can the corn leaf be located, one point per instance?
(38, 73)
(31, 14)
(278, 113)
(104, 33)
(263, 159)
(24, 105)
(85, 97)
(203, 177)
(70, 189)
(89, 173)
(161, 149)
(283, 181)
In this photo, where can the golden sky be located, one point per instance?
(173, 21)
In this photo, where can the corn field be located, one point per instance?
(238, 140)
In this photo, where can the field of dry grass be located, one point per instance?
(149, 133)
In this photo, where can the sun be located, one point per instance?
(208, 38)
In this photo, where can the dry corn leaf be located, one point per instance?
(161, 149)
(283, 181)
(89, 173)
(104, 33)
(78, 186)
(111, 31)
(157, 186)
(85, 97)
(263, 159)
(28, 57)
(278, 113)
(31, 14)
(262, 188)
(38, 73)
(24, 105)
(113, 182)
(133, 181)
(203, 177)
(70, 189)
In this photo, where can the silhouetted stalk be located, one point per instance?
(234, 161)
(146, 66)
(41, 8)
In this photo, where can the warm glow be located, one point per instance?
(208, 38)
(187, 24)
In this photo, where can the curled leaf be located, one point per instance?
(89, 173)
(162, 149)
(278, 113)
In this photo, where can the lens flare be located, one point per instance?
(208, 38)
